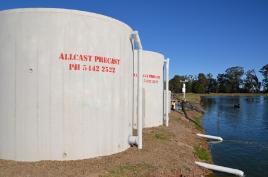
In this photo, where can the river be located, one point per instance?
(244, 130)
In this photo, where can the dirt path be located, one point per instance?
(168, 151)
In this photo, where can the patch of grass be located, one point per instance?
(193, 98)
(235, 94)
(132, 170)
(198, 123)
(177, 119)
(196, 98)
(201, 153)
(163, 135)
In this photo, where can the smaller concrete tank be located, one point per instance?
(153, 89)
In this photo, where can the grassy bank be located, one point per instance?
(195, 97)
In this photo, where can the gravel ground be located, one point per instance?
(167, 151)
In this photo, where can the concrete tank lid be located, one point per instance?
(61, 10)
(154, 53)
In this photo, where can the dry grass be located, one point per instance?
(196, 98)
(131, 170)
(167, 151)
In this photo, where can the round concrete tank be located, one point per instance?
(66, 85)
(153, 98)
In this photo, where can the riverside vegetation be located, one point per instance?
(233, 80)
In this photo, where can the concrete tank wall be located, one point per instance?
(60, 99)
(153, 108)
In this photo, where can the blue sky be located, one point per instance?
(197, 35)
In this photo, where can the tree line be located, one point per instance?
(233, 80)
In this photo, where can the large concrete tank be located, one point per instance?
(153, 90)
(66, 84)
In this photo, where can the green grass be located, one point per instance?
(177, 119)
(198, 123)
(201, 153)
(195, 97)
(132, 170)
(163, 135)
(235, 94)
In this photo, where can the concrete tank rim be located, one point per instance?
(63, 10)
(154, 53)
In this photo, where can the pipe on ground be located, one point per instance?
(210, 137)
(221, 168)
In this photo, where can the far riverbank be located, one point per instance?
(196, 97)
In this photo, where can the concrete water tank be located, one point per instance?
(153, 90)
(66, 84)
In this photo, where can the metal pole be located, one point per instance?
(184, 89)
(140, 118)
(167, 89)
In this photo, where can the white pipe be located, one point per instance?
(140, 118)
(133, 140)
(138, 139)
(167, 90)
(221, 168)
(136, 37)
(210, 137)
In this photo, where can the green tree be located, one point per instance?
(200, 85)
(222, 83)
(251, 83)
(233, 76)
(264, 72)
(212, 83)
(175, 85)
(189, 84)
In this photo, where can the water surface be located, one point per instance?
(244, 130)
